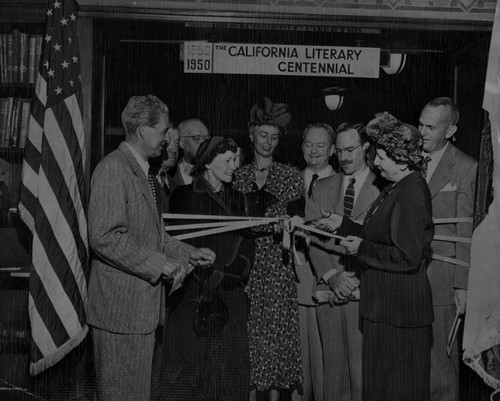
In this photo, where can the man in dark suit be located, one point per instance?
(132, 255)
(192, 133)
(451, 176)
(336, 272)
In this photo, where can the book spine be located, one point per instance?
(10, 56)
(10, 107)
(14, 132)
(31, 60)
(23, 58)
(4, 109)
(16, 44)
(38, 54)
(25, 118)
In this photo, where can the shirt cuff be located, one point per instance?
(327, 275)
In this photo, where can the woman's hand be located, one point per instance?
(329, 222)
(351, 244)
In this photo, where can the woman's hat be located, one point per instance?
(275, 114)
(402, 141)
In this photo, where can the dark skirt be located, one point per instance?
(205, 368)
(396, 362)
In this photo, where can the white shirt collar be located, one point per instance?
(143, 163)
(308, 173)
(360, 180)
(433, 163)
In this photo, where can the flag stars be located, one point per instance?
(48, 38)
(57, 4)
(72, 17)
(64, 21)
(46, 64)
(49, 12)
(50, 73)
(58, 91)
(70, 39)
(71, 82)
(57, 47)
(65, 64)
(75, 59)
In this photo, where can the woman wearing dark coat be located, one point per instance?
(211, 363)
(393, 246)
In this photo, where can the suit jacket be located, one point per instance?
(327, 195)
(130, 246)
(452, 188)
(303, 269)
(177, 179)
(234, 251)
(394, 253)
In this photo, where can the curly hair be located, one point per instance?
(402, 142)
(209, 149)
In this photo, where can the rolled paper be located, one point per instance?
(452, 239)
(453, 220)
(450, 260)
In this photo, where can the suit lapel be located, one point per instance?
(334, 194)
(443, 172)
(141, 178)
(367, 195)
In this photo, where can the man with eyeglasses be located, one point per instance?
(192, 133)
(349, 193)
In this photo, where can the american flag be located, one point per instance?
(53, 194)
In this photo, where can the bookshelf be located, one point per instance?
(22, 26)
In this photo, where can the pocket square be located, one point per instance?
(449, 187)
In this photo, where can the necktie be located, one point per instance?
(310, 190)
(151, 182)
(349, 198)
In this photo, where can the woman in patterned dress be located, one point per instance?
(273, 327)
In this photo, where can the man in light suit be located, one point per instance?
(192, 133)
(451, 176)
(317, 147)
(132, 255)
(336, 272)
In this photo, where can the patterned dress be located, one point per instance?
(273, 326)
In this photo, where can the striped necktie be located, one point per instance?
(310, 190)
(349, 198)
(151, 182)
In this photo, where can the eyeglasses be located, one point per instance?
(196, 138)
(347, 151)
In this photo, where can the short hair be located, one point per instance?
(327, 127)
(358, 127)
(209, 149)
(446, 102)
(142, 110)
(184, 127)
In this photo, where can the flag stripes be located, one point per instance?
(53, 194)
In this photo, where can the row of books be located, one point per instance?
(14, 119)
(19, 57)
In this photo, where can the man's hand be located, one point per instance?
(343, 284)
(201, 257)
(351, 244)
(460, 300)
(171, 269)
(329, 221)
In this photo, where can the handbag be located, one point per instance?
(210, 316)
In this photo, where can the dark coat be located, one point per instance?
(397, 233)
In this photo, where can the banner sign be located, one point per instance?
(262, 59)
